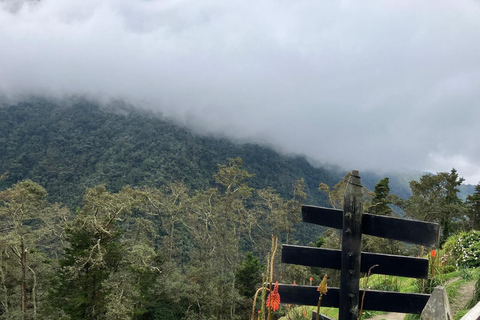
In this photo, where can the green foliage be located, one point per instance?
(434, 198)
(31, 231)
(164, 310)
(473, 205)
(476, 294)
(387, 283)
(427, 285)
(320, 242)
(335, 194)
(380, 203)
(435, 274)
(249, 275)
(466, 274)
(449, 269)
(464, 249)
(70, 145)
(105, 274)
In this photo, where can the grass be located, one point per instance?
(296, 313)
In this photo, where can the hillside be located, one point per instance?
(70, 145)
(68, 148)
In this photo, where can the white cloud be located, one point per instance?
(373, 84)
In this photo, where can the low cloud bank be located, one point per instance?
(381, 85)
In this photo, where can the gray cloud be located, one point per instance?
(383, 85)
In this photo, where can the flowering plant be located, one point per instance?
(273, 299)
(464, 249)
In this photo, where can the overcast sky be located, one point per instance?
(381, 85)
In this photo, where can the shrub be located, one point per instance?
(386, 284)
(466, 274)
(427, 286)
(449, 268)
(464, 249)
(435, 272)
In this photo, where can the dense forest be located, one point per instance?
(111, 213)
(70, 145)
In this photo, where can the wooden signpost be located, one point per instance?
(351, 261)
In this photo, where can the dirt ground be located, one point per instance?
(465, 293)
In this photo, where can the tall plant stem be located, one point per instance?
(318, 306)
(365, 290)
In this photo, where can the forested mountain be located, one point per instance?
(68, 146)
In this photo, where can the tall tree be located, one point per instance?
(473, 203)
(219, 219)
(31, 231)
(435, 198)
(380, 201)
(279, 215)
(336, 194)
(103, 270)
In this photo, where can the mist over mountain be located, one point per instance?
(72, 144)
(378, 85)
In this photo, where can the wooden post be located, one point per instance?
(351, 248)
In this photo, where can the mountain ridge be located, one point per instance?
(68, 145)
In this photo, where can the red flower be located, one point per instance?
(433, 253)
(273, 299)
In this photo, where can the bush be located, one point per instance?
(449, 268)
(466, 274)
(386, 284)
(464, 249)
(427, 286)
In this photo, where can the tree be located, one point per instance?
(380, 201)
(434, 198)
(336, 194)
(249, 275)
(473, 205)
(31, 234)
(218, 220)
(106, 270)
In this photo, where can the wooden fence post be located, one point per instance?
(351, 248)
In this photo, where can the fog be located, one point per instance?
(379, 85)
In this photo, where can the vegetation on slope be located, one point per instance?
(69, 146)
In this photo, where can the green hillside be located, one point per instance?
(70, 146)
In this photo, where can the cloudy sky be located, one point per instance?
(382, 85)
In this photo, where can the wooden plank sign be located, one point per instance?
(374, 300)
(329, 258)
(351, 261)
(412, 231)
